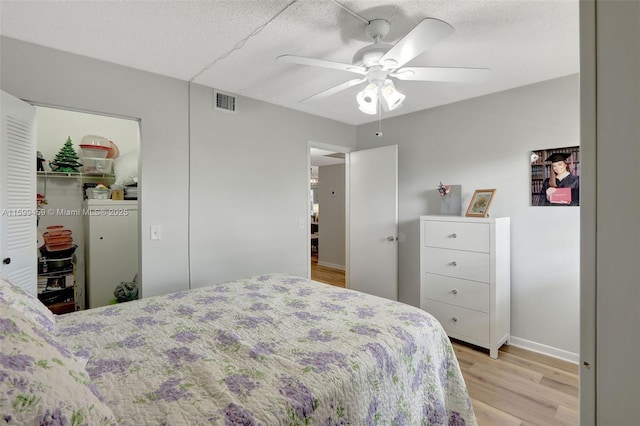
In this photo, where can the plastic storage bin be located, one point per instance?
(90, 151)
(96, 166)
(98, 194)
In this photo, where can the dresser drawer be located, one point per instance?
(458, 264)
(460, 322)
(455, 291)
(457, 235)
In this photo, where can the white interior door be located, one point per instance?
(373, 221)
(18, 192)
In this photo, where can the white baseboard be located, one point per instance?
(331, 265)
(546, 350)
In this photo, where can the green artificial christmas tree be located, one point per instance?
(66, 159)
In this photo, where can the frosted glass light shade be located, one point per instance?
(392, 98)
(368, 99)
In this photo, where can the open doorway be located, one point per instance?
(369, 192)
(88, 237)
(327, 214)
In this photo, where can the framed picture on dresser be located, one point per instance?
(480, 203)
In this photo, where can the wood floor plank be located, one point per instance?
(327, 275)
(512, 403)
(567, 416)
(527, 378)
(554, 386)
(568, 385)
(501, 368)
(560, 375)
(520, 387)
(541, 359)
(489, 415)
(540, 394)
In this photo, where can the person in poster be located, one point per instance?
(552, 193)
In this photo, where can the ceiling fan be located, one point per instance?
(379, 62)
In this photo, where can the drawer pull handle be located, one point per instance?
(454, 319)
(454, 291)
(454, 263)
(453, 236)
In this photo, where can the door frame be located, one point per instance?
(345, 150)
(138, 121)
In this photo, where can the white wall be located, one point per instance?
(249, 188)
(50, 77)
(331, 225)
(485, 143)
(55, 125)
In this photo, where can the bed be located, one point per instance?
(267, 350)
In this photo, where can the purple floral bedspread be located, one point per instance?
(270, 350)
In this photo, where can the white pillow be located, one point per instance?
(41, 382)
(125, 167)
(13, 296)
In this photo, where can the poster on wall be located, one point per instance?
(555, 177)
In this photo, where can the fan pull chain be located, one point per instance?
(379, 132)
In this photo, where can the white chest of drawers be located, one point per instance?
(465, 277)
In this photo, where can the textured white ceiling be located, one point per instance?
(231, 45)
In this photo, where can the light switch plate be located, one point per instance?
(155, 232)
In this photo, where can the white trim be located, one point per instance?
(545, 350)
(330, 147)
(331, 265)
(347, 216)
(588, 212)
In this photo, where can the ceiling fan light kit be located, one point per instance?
(384, 94)
(378, 62)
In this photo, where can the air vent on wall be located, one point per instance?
(224, 102)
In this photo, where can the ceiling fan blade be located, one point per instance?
(333, 90)
(302, 60)
(460, 75)
(419, 39)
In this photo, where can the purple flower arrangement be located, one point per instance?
(443, 189)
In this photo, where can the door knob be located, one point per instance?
(391, 238)
(6, 260)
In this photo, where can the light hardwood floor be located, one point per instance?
(520, 387)
(326, 275)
